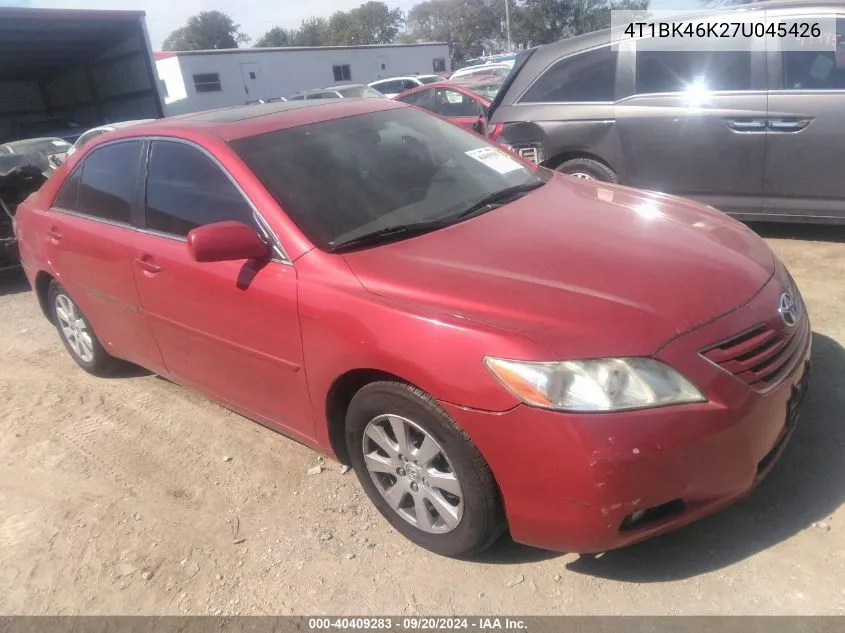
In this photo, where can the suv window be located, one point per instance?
(816, 70)
(676, 70)
(585, 77)
(186, 189)
(109, 181)
(453, 103)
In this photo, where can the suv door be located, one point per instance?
(694, 124)
(806, 134)
(90, 242)
(229, 329)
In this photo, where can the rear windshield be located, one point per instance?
(429, 80)
(346, 177)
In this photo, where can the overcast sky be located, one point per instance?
(255, 16)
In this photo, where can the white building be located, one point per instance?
(201, 80)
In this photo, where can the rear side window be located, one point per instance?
(186, 189)
(109, 182)
(68, 194)
(586, 77)
(677, 71)
(815, 70)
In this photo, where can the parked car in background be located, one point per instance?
(501, 69)
(49, 145)
(493, 346)
(462, 101)
(52, 127)
(20, 175)
(93, 133)
(396, 85)
(346, 91)
(758, 133)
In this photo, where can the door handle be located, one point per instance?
(147, 264)
(747, 125)
(788, 125)
(53, 234)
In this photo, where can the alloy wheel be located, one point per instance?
(413, 474)
(74, 328)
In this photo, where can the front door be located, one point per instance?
(253, 82)
(695, 125)
(89, 238)
(806, 126)
(228, 329)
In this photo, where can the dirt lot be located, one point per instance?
(131, 495)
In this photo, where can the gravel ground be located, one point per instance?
(131, 495)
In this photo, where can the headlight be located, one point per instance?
(607, 384)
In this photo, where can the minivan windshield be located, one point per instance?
(345, 179)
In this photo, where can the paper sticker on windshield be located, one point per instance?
(59, 143)
(495, 159)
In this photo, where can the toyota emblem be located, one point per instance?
(788, 309)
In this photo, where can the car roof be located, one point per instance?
(237, 122)
(33, 141)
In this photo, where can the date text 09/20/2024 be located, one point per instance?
(417, 624)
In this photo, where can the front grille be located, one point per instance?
(762, 357)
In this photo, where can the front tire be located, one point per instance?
(77, 334)
(421, 471)
(588, 169)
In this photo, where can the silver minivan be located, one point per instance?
(761, 136)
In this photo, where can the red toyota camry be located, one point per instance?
(490, 345)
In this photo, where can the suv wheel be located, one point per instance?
(421, 471)
(588, 169)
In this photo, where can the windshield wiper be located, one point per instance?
(400, 231)
(498, 198)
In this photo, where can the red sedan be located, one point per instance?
(488, 345)
(461, 101)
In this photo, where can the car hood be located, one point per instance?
(581, 268)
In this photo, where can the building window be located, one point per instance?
(439, 65)
(342, 72)
(207, 82)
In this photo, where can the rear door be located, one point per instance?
(694, 124)
(90, 240)
(806, 135)
(228, 329)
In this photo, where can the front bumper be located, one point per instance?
(573, 482)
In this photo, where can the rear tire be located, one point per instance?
(588, 169)
(77, 334)
(426, 478)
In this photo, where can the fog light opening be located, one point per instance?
(639, 518)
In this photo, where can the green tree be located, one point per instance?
(206, 30)
(312, 32)
(464, 24)
(276, 36)
(371, 23)
(544, 21)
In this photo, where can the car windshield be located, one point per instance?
(429, 80)
(345, 178)
(360, 91)
(46, 145)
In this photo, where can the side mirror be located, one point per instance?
(226, 241)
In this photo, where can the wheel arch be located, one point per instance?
(340, 394)
(42, 288)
